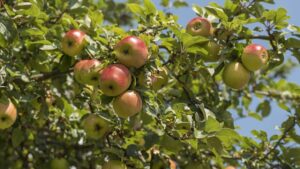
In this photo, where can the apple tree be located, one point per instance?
(113, 85)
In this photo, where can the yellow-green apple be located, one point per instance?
(73, 42)
(114, 79)
(213, 52)
(95, 126)
(132, 51)
(114, 164)
(59, 163)
(199, 26)
(8, 114)
(254, 57)
(157, 79)
(235, 75)
(127, 104)
(87, 71)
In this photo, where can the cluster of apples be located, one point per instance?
(237, 73)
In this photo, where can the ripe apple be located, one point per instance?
(73, 42)
(59, 163)
(114, 164)
(199, 26)
(230, 167)
(95, 126)
(254, 57)
(157, 80)
(127, 104)
(114, 79)
(235, 75)
(213, 52)
(132, 52)
(173, 164)
(8, 114)
(87, 71)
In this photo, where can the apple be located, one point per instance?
(87, 71)
(73, 42)
(95, 126)
(213, 50)
(157, 79)
(173, 164)
(235, 75)
(127, 104)
(8, 114)
(254, 57)
(230, 167)
(114, 80)
(114, 164)
(59, 163)
(199, 26)
(132, 52)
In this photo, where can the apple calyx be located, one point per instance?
(199, 26)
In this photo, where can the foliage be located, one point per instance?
(189, 120)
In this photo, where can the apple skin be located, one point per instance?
(73, 42)
(127, 104)
(87, 71)
(95, 126)
(132, 52)
(8, 114)
(199, 26)
(114, 79)
(59, 163)
(254, 57)
(114, 164)
(158, 79)
(235, 75)
(213, 50)
(230, 167)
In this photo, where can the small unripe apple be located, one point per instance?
(59, 163)
(132, 52)
(95, 126)
(114, 164)
(73, 42)
(87, 71)
(114, 79)
(157, 79)
(213, 52)
(127, 104)
(235, 75)
(199, 26)
(8, 114)
(254, 57)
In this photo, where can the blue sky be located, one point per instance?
(277, 115)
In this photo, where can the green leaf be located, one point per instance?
(217, 11)
(150, 7)
(264, 108)
(8, 31)
(212, 125)
(293, 43)
(189, 40)
(216, 144)
(17, 137)
(136, 9)
(228, 136)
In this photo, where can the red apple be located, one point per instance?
(213, 52)
(8, 114)
(230, 167)
(127, 104)
(132, 52)
(235, 75)
(73, 42)
(199, 26)
(95, 126)
(87, 71)
(114, 79)
(114, 164)
(254, 57)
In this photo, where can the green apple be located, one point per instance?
(95, 126)
(235, 75)
(114, 79)
(127, 104)
(8, 114)
(114, 164)
(73, 42)
(213, 50)
(199, 26)
(59, 163)
(132, 52)
(254, 57)
(87, 71)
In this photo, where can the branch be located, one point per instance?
(42, 77)
(278, 94)
(263, 37)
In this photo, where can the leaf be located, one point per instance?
(217, 11)
(150, 7)
(189, 40)
(212, 125)
(293, 43)
(228, 136)
(17, 137)
(8, 31)
(264, 108)
(136, 9)
(216, 144)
